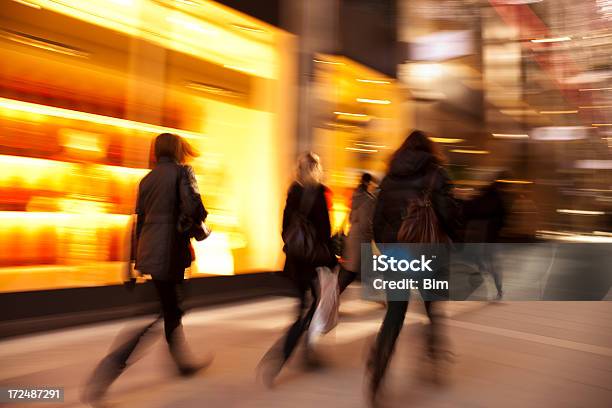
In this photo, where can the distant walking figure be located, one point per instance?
(362, 211)
(168, 209)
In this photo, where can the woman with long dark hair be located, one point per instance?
(415, 167)
(161, 249)
(306, 199)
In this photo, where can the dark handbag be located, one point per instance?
(300, 236)
(420, 223)
(193, 228)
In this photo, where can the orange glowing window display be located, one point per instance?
(76, 129)
(362, 116)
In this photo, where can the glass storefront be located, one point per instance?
(88, 87)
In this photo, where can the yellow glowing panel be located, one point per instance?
(12, 105)
(214, 256)
(339, 215)
(25, 220)
(445, 140)
(47, 174)
(174, 29)
(469, 151)
(35, 173)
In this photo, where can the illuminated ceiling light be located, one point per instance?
(601, 124)
(358, 149)
(558, 112)
(510, 135)
(593, 164)
(550, 133)
(29, 4)
(241, 69)
(551, 40)
(189, 2)
(594, 89)
(518, 112)
(564, 236)
(445, 140)
(371, 145)
(192, 25)
(252, 29)
(213, 89)
(579, 212)
(595, 107)
(355, 117)
(341, 125)
(42, 43)
(350, 114)
(469, 151)
(28, 107)
(373, 81)
(318, 61)
(374, 101)
(508, 181)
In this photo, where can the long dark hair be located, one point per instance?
(418, 140)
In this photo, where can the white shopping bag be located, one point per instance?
(326, 315)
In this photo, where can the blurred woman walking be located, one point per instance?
(415, 171)
(169, 212)
(308, 245)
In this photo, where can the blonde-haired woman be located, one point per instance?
(307, 198)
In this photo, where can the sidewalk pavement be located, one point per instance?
(508, 354)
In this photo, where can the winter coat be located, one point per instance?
(362, 212)
(409, 175)
(167, 191)
(302, 273)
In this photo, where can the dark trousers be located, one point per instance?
(485, 261)
(305, 312)
(345, 278)
(392, 325)
(280, 352)
(116, 361)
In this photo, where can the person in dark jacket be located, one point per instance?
(362, 211)
(487, 212)
(306, 197)
(159, 250)
(414, 167)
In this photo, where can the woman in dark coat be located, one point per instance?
(306, 197)
(362, 211)
(485, 214)
(166, 194)
(414, 167)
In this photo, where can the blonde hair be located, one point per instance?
(309, 169)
